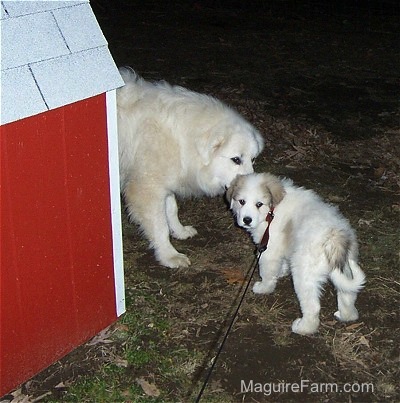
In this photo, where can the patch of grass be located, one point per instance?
(117, 383)
(99, 389)
(145, 351)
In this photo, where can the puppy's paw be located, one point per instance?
(263, 288)
(347, 316)
(175, 261)
(184, 232)
(305, 326)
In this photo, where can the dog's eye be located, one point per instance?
(242, 202)
(259, 204)
(237, 160)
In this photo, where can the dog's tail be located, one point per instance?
(344, 283)
(341, 250)
(132, 91)
(129, 75)
(339, 247)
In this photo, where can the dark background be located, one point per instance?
(312, 59)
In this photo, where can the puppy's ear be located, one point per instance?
(275, 188)
(208, 143)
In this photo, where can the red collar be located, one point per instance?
(264, 241)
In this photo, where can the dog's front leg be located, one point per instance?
(147, 206)
(270, 272)
(177, 230)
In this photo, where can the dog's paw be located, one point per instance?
(176, 261)
(305, 326)
(348, 317)
(263, 288)
(184, 232)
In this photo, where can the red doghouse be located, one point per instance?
(61, 243)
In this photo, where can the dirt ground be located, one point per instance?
(321, 83)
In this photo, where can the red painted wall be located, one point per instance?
(57, 281)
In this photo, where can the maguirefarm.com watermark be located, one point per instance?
(304, 386)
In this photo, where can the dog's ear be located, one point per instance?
(275, 188)
(259, 140)
(208, 143)
(230, 191)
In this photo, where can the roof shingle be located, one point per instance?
(53, 53)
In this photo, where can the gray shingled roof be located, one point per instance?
(53, 53)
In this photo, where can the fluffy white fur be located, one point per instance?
(308, 237)
(176, 142)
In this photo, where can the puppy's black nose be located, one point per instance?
(247, 220)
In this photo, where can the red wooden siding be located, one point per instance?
(57, 279)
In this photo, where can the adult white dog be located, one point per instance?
(176, 142)
(306, 236)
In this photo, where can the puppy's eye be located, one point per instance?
(242, 202)
(237, 160)
(259, 204)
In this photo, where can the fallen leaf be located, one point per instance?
(363, 341)
(121, 327)
(233, 275)
(331, 322)
(354, 326)
(120, 362)
(19, 397)
(102, 337)
(378, 172)
(335, 198)
(126, 393)
(40, 398)
(361, 221)
(148, 388)
(396, 207)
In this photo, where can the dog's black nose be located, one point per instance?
(247, 220)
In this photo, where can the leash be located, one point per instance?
(252, 270)
(261, 248)
(264, 241)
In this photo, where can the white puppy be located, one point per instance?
(306, 236)
(176, 142)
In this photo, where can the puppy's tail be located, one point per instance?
(336, 248)
(341, 250)
(344, 283)
(340, 247)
